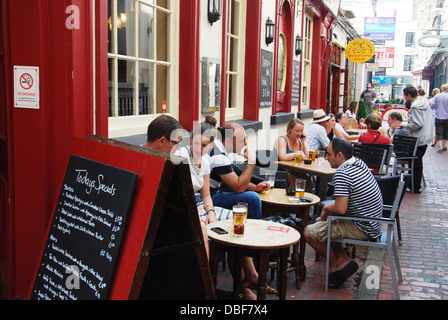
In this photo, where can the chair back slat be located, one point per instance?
(405, 145)
(374, 158)
(388, 147)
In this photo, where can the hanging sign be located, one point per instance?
(26, 87)
(360, 50)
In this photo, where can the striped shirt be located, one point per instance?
(220, 164)
(353, 179)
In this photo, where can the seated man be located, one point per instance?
(164, 134)
(226, 186)
(373, 135)
(395, 119)
(316, 132)
(356, 192)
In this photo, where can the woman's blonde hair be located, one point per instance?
(293, 123)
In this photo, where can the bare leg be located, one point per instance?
(338, 257)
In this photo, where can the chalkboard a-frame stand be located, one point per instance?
(161, 254)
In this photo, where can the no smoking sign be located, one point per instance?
(26, 87)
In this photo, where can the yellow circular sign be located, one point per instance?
(360, 50)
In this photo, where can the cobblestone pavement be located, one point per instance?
(423, 254)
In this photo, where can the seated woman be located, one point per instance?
(341, 120)
(352, 110)
(373, 135)
(286, 146)
(201, 142)
(332, 130)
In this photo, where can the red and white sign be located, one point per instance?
(385, 56)
(26, 87)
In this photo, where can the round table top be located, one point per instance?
(258, 234)
(279, 197)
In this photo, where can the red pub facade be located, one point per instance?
(107, 67)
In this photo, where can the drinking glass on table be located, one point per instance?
(298, 156)
(239, 219)
(320, 157)
(270, 178)
(312, 155)
(300, 187)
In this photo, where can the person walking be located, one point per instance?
(369, 96)
(440, 106)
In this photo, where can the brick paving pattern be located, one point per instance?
(423, 254)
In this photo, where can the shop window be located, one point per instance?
(235, 59)
(140, 62)
(408, 63)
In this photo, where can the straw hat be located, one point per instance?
(320, 116)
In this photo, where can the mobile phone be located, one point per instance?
(219, 230)
(305, 199)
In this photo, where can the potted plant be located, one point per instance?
(362, 110)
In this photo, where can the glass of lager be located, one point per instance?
(298, 158)
(300, 187)
(313, 155)
(239, 219)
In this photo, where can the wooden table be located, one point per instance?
(323, 172)
(258, 242)
(356, 131)
(276, 201)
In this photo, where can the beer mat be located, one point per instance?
(279, 229)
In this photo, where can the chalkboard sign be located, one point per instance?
(266, 79)
(86, 231)
(295, 83)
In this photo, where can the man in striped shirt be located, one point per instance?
(356, 192)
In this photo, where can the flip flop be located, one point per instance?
(337, 278)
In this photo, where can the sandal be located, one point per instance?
(337, 278)
(250, 285)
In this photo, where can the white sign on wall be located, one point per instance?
(26, 87)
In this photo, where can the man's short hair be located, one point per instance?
(162, 126)
(342, 145)
(396, 116)
(410, 90)
(374, 120)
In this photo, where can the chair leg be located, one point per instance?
(397, 219)
(393, 260)
(327, 259)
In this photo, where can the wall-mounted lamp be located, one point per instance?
(214, 10)
(270, 31)
(299, 45)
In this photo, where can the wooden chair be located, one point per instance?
(386, 240)
(352, 123)
(374, 158)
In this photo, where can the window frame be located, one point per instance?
(137, 122)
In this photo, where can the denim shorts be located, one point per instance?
(229, 199)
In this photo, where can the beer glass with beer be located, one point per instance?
(298, 158)
(239, 219)
(300, 187)
(313, 155)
